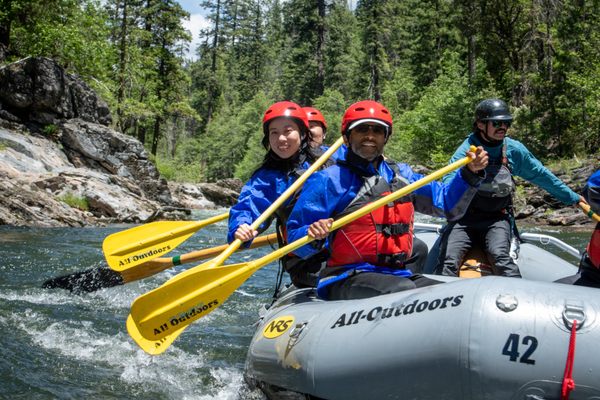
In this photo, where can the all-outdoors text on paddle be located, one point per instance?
(98, 278)
(152, 345)
(162, 314)
(135, 246)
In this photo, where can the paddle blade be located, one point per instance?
(179, 302)
(143, 243)
(155, 347)
(89, 280)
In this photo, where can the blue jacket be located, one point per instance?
(522, 163)
(591, 192)
(264, 187)
(328, 193)
(339, 153)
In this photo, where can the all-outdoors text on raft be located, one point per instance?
(417, 306)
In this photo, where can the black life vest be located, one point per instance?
(494, 195)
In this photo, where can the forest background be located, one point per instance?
(429, 61)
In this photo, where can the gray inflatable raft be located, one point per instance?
(487, 338)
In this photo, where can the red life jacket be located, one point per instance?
(593, 248)
(383, 237)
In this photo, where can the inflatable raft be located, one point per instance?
(487, 338)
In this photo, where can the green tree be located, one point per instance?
(168, 41)
(53, 29)
(226, 141)
(441, 119)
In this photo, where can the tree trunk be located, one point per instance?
(212, 92)
(141, 133)
(320, 45)
(122, 66)
(471, 57)
(156, 135)
(5, 23)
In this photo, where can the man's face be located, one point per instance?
(494, 130)
(367, 140)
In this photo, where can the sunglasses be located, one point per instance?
(364, 128)
(499, 123)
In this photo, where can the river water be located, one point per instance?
(60, 345)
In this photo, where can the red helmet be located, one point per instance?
(285, 109)
(368, 110)
(315, 115)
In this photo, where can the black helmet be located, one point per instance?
(492, 109)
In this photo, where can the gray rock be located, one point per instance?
(38, 90)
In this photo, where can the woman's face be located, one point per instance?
(284, 137)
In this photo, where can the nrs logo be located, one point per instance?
(278, 326)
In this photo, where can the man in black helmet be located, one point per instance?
(488, 220)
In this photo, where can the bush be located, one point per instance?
(75, 201)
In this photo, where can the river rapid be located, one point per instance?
(61, 345)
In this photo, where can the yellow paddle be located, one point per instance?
(160, 314)
(135, 246)
(588, 211)
(153, 346)
(98, 278)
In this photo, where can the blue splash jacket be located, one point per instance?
(328, 192)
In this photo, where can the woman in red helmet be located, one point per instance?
(375, 254)
(286, 138)
(318, 127)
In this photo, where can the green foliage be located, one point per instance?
(74, 201)
(332, 105)
(50, 130)
(226, 141)
(54, 30)
(184, 167)
(431, 132)
(253, 158)
(428, 61)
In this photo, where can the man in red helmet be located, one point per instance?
(374, 254)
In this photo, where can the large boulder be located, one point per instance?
(38, 90)
(105, 150)
(40, 186)
(61, 164)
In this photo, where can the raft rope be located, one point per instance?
(568, 384)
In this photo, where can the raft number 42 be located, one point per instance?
(511, 348)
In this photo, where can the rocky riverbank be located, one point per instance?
(62, 165)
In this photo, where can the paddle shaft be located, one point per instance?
(277, 203)
(588, 211)
(184, 299)
(160, 264)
